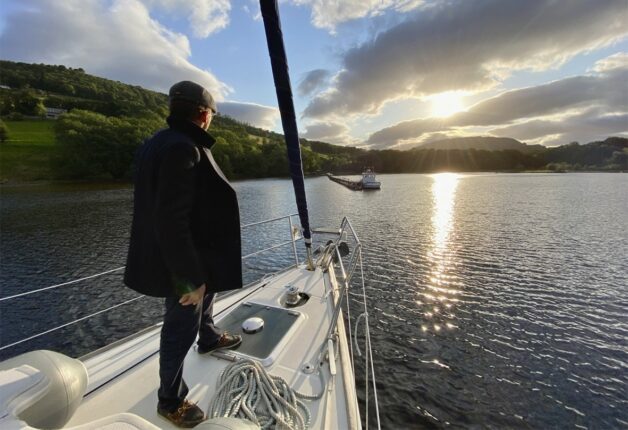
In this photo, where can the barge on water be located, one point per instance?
(367, 182)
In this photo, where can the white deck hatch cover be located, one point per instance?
(260, 345)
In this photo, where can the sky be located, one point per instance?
(379, 74)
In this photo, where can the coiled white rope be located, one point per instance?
(247, 391)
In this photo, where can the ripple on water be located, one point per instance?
(497, 301)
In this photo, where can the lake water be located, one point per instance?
(497, 300)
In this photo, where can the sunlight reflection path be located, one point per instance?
(442, 286)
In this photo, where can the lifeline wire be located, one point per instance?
(70, 323)
(369, 349)
(60, 285)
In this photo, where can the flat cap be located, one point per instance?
(193, 93)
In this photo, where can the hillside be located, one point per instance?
(105, 121)
(484, 143)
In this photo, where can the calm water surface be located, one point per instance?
(497, 301)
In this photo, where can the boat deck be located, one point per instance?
(124, 377)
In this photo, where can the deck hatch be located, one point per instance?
(277, 323)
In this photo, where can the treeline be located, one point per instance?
(92, 145)
(608, 155)
(107, 120)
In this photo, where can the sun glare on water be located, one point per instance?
(443, 286)
(447, 104)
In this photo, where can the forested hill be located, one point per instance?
(105, 121)
(68, 88)
(485, 143)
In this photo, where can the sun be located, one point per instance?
(447, 104)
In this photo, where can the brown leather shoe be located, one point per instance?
(187, 415)
(226, 341)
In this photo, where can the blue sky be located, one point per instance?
(372, 73)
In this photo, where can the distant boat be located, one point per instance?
(369, 182)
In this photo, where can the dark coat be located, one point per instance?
(186, 222)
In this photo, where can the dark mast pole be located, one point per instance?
(279, 62)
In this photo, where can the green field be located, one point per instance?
(26, 155)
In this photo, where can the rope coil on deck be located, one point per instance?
(247, 391)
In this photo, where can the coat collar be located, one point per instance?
(193, 131)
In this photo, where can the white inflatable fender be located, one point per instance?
(67, 381)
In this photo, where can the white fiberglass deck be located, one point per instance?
(124, 378)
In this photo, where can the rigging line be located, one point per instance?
(355, 335)
(269, 249)
(366, 375)
(60, 285)
(70, 323)
(368, 345)
(266, 221)
(348, 317)
(349, 323)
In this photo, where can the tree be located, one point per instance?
(27, 102)
(96, 146)
(4, 132)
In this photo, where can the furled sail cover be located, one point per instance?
(279, 62)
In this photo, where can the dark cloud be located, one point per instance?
(313, 81)
(465, 45)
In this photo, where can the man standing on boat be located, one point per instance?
(185, 240)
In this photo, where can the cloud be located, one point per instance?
(205, 16)
(591, 125)
(328, 14)
(260, 116)
(119, 41)
(614, 62)
(313, 80)
(407, 132)
(566, 98)
(327, 132)
(253, 10)
(466, 46)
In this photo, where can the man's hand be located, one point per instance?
(193, 298)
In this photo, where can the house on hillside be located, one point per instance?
(53, 113)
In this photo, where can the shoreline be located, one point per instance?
(109, 182)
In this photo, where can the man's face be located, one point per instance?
(207, 119)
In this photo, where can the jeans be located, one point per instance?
(181, 325)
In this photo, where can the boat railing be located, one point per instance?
(295, 236)
(354, 265)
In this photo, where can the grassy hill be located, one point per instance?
(26, 155)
